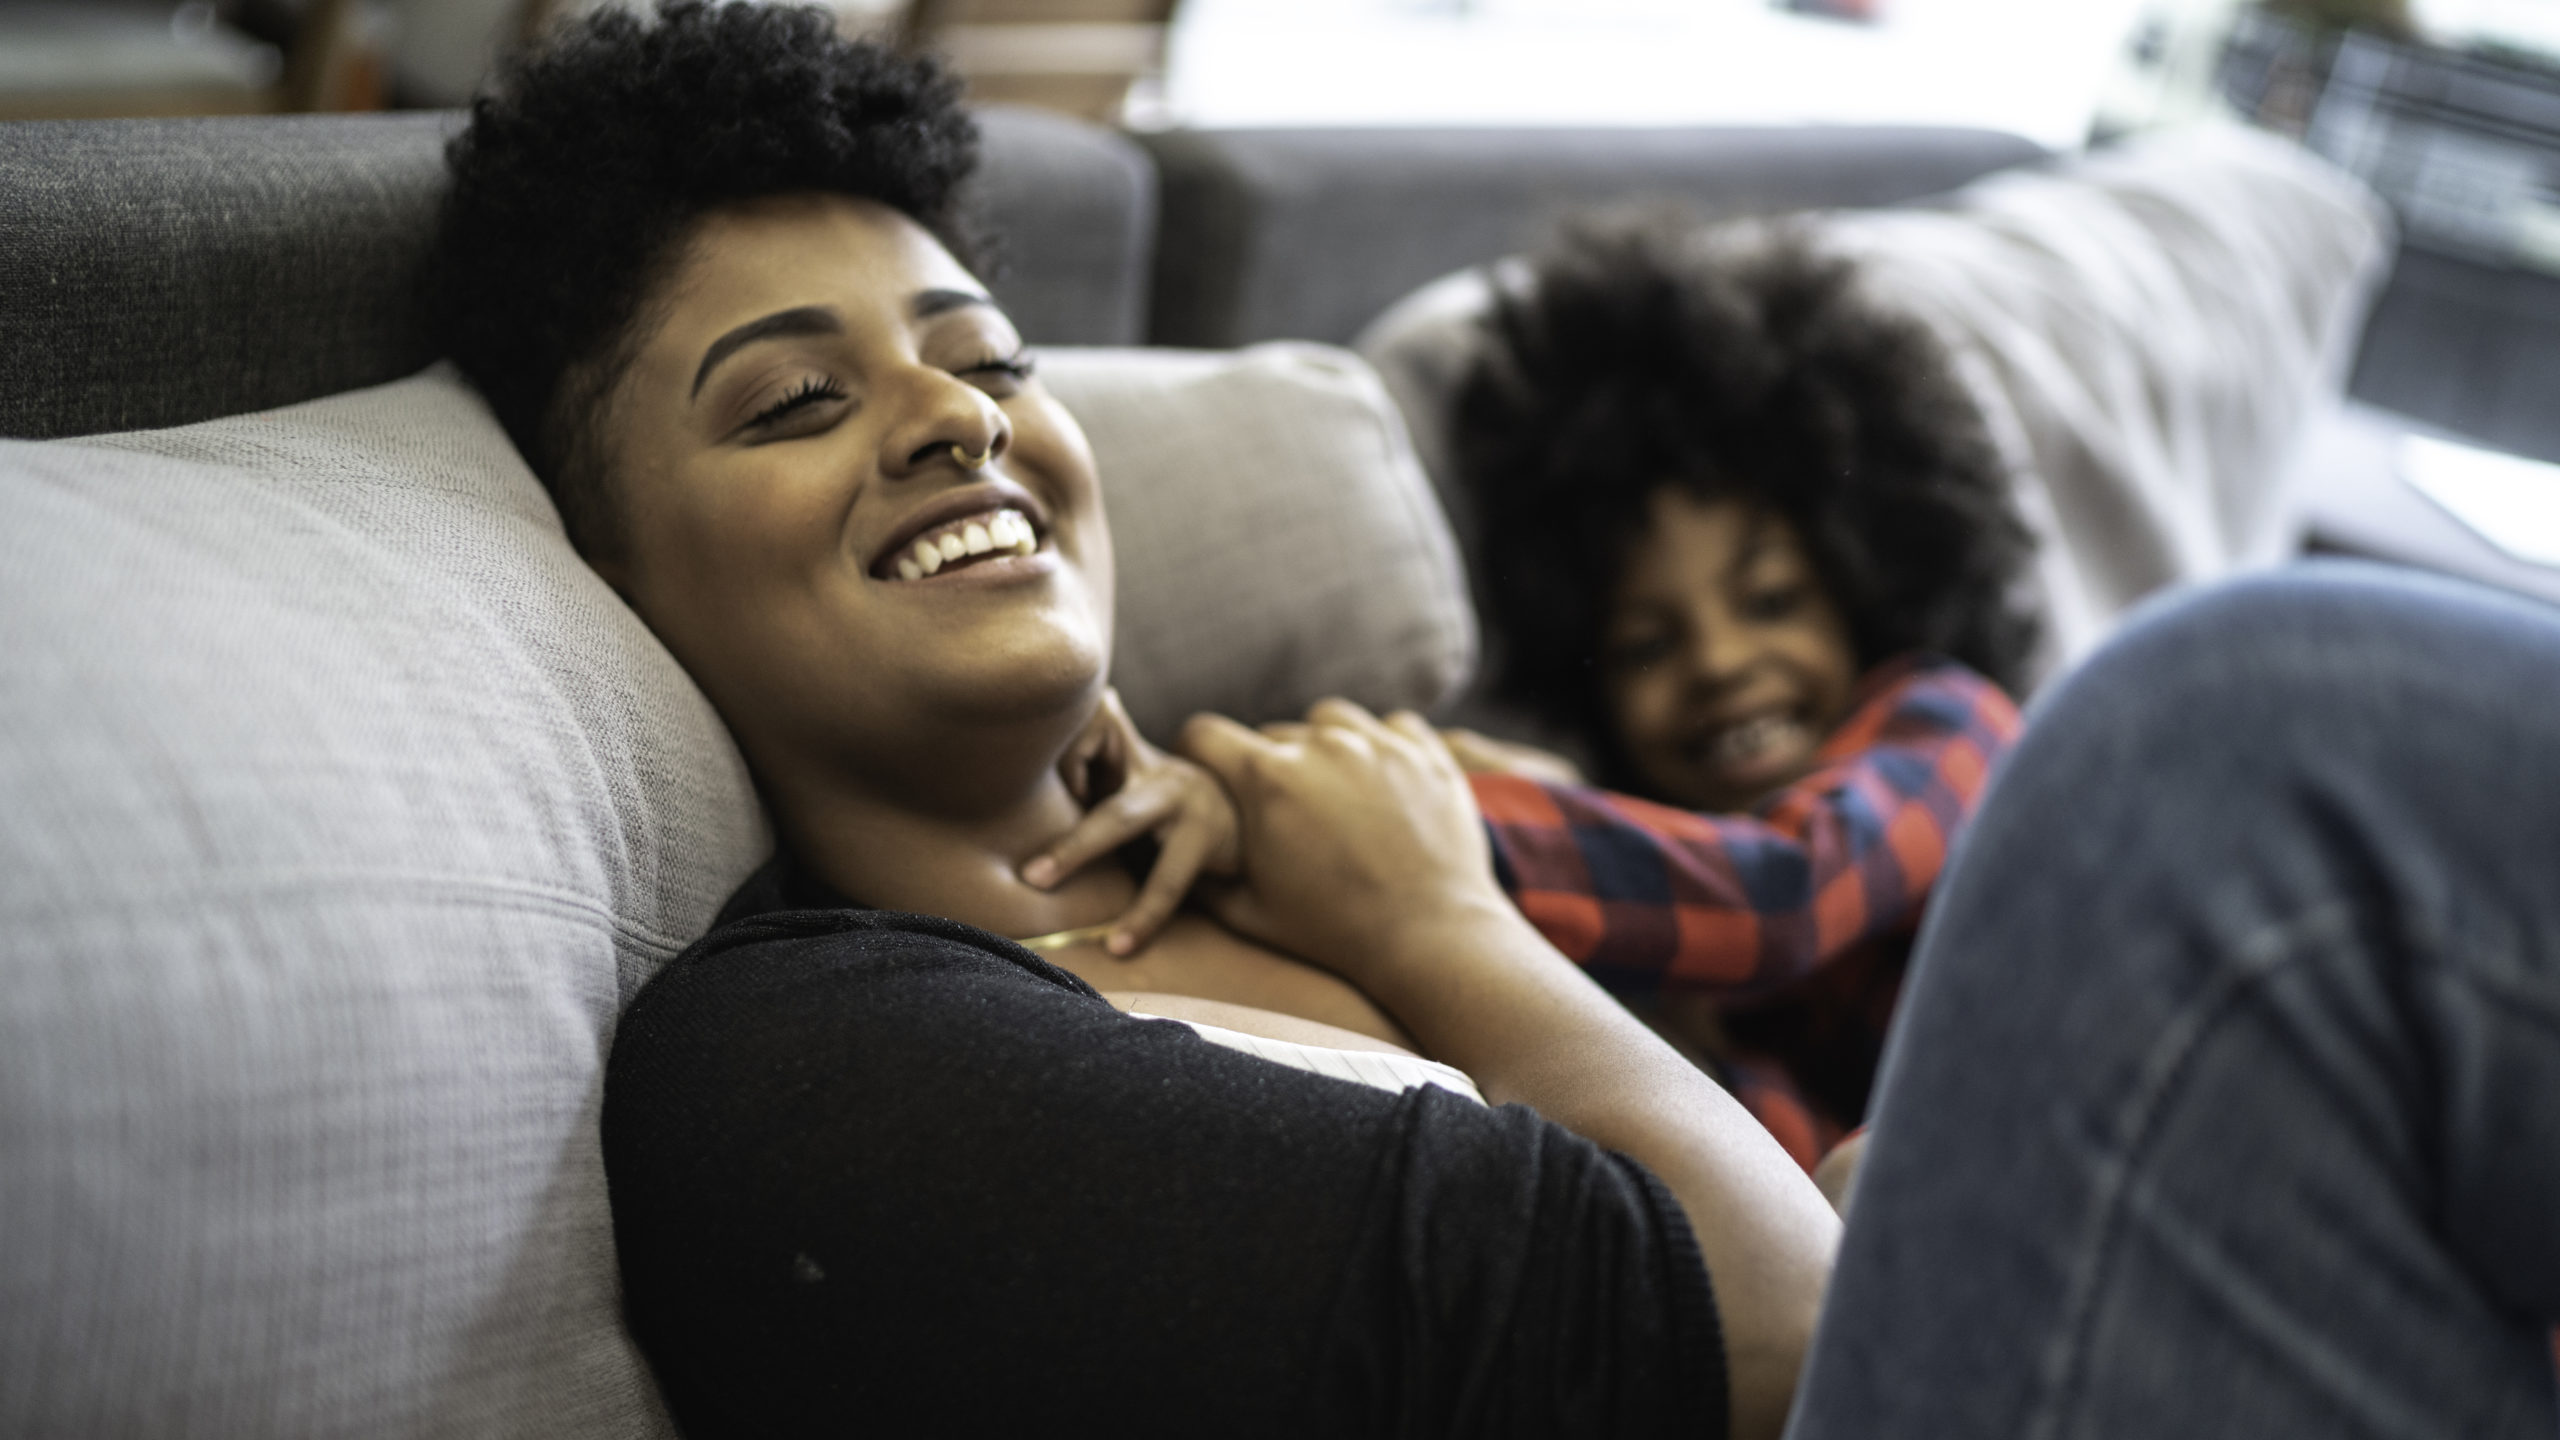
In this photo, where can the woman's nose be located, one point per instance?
(949, 422)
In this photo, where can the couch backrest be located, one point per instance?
(1308, 234)
(160, 272)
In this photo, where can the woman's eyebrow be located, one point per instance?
(929, 303)
(803, 320)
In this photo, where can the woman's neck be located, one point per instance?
(962, 864)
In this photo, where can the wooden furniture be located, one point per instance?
(1076, 56)
(70, 61)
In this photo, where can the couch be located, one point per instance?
(341, 808)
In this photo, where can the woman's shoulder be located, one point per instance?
(784, 913)
(773, 982)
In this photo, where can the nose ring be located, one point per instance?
(972, 462)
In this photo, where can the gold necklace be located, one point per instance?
(1062, 939)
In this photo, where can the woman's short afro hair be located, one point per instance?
(588, 161)
(1737, 361)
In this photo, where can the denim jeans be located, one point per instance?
(2225, 1095)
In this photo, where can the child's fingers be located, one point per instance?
(1222, 747)
(1106, 827)
(1177, 865)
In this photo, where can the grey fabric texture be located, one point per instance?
(2148, 332)
(342, 807)
(1278, 541)
(1308, 234)
(1073, 210)
(155, 272)
(160, 272)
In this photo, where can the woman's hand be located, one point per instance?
(1130, 788)
(1484, 755)
(1360, 835)
(1363, 852)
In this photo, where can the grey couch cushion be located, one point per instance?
(158, 272)
(1073, 207)
(1307, 234)
(1278, 541)
(341, 807)
(154, 272)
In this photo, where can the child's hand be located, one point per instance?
(1130, 788)
(1482, 754)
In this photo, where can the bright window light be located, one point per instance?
(2033, 67)
(2512, 502)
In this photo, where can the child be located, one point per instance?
(1744, 540)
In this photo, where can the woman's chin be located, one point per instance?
(1019, 681)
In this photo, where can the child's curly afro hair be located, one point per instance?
(587, 163)
(1737, 361)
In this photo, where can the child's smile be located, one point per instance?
(1725, 659)
(1763, 750)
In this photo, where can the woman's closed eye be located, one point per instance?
(1001, 375)
(798, 401)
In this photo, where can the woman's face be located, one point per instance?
(794, 453)
(1725, 661)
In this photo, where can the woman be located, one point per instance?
(874, 1168)
(705, 271)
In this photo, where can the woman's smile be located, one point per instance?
(966, 530)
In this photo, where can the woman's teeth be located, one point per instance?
(1757, 741)
(1005, 532)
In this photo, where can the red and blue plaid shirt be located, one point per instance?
(1755, 907)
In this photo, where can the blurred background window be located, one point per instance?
(2056, 71)
(2033, 67)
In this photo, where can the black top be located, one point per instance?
(890, 1174)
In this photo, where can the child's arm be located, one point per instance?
(1648, 897)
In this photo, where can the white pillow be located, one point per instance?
(341, 807)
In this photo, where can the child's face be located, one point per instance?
(1725, 660)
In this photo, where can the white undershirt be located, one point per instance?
(1378, 1069)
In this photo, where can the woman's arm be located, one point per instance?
(1648, 897)
(1361, 846)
